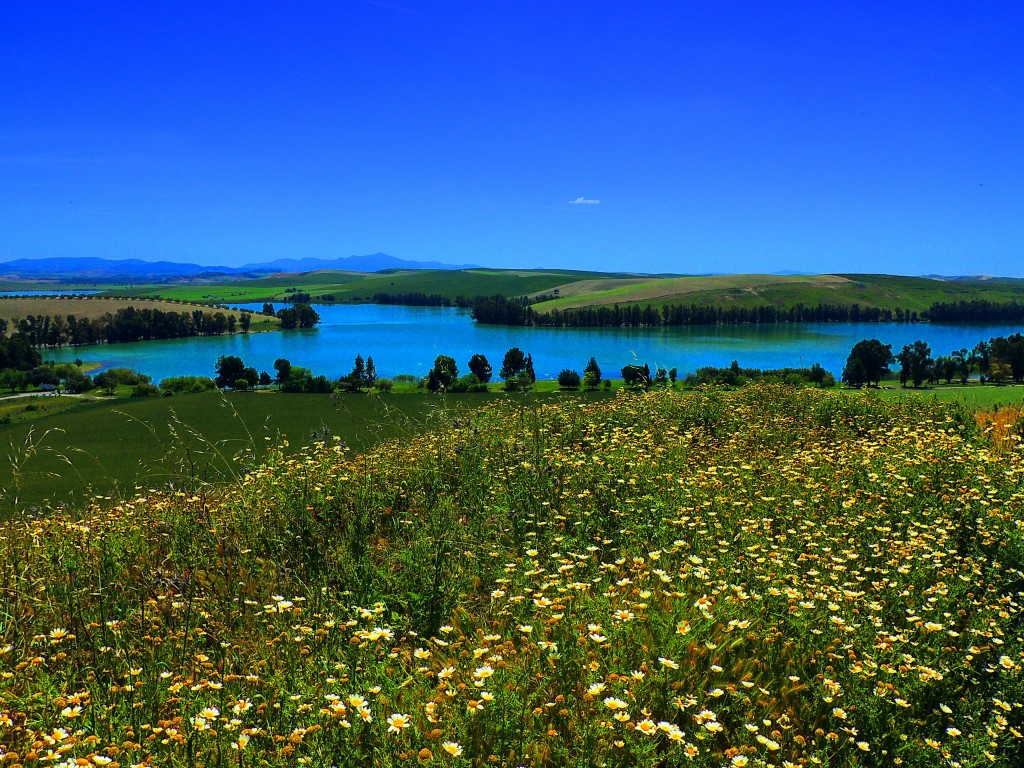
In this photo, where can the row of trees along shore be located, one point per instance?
(501, 310)
(135, 324)
(999, 360)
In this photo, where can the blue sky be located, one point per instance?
(655, 137)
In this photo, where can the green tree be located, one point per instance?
(15, 379)
(529, 369)
(513, 364)
(106, 380)
(479, 367)
(592, 374)
(229, 370)
(307, 316)
(816, 375)
(358, 372)
(77, 382)
(981, 358)
(569, 379)
(283, 368)
(245, 321)
(1009, 350)
(370, 374)
(444, 373)
(961, 359)
(915, 363)
(867, 362)
(299, 380)
(289, 318)
(637, 376)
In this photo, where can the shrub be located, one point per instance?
(569, 379)
(187, 384)
(145, 390)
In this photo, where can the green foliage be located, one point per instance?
(147, 390)
(443, 375)
(182, 385)
(298, 316)
(229, 369)
(569, 379)
(637, 376)
(512, 364)
(867, 362)
(466, 384)
(480, 367)
(915, 363)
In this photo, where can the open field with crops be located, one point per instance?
(64, 449)
(567, 289)
(767, 577)
(882, 291)
(358, 286)
(91, 307)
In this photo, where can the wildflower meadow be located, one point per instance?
(766, 577)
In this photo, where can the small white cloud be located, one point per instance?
(584, 201)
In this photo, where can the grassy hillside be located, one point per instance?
(109, 448)
(354, 286)
(883, 291)
(767, 577)
(568, 289)
(64, 450)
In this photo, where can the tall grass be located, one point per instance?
(761, 577)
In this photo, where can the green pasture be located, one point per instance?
(883, 291)
(64, 450)
(972, 396)
(357, 286)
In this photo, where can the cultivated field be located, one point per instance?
(883, 291)
(58, 450)
(578, 289)
(765, 577)
(91, 307)
(354, 286)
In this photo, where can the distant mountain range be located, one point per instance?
(89, 268)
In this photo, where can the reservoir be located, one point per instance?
(407, 339)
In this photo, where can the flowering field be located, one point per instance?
(765, 577)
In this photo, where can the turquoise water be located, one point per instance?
(407, 339)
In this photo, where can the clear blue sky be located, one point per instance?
(675, 136)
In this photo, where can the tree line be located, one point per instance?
(517, 311)
(135, 324)
(126, 324)
(998, 360)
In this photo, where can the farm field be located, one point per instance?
(358, 286)
(883, 291)
(579, 289)
(66, 450)
(59, 449)
(770, 576)
(91, 307)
